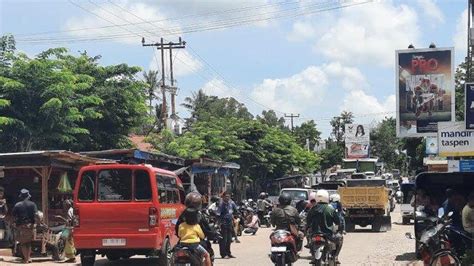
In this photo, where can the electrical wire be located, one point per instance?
(198, 28)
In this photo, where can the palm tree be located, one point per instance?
(151, 79)
(198, 101)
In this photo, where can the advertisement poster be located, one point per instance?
(454, 140)
(425, 90)
(469, 111)
(431, 146)
(357, 139)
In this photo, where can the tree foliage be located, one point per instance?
(307, 131)
(224, 129)
(205, 108)
(60, 101)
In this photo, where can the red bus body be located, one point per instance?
(106, 223)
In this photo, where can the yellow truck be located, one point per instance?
(366, 202)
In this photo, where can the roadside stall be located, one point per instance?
(48, 175)
(209, 177)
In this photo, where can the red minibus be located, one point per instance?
(124, 210)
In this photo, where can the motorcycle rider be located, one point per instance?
(262, 205)
(194, 200)
(336, 204)
(286, 217)
(321, 219)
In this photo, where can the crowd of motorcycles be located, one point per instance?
(284, 244)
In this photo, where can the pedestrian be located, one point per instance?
(24, 214)
(69, 248)
(3, 215)
(468, 214)
(225, 213)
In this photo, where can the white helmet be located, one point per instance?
(312, 196)
(322, 196)
(335, 197)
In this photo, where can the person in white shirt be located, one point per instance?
(468, 214)
(252, 222)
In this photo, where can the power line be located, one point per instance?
(182, 17)
(226, 23)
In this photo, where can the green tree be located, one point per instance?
(460, 80)
(204, 108)
(338, 124)
(59, 101)
(271, 119)
(307, 131)
(385, 145)
(151, 80)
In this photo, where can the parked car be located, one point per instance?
(125, 210)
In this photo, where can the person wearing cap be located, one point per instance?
(24, 214)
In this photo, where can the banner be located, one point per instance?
(357, 139)
(469, 110)
(425, 90)
(454, 140)
(431, 146)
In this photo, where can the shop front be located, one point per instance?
(48, 175)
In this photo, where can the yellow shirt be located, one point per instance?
(190, 234)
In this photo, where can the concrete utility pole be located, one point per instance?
(162, 47)
(291, 116)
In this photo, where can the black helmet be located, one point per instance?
(284, 199)
(193, 200)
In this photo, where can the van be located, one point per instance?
(124, 210)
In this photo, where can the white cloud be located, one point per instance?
(431, 11)
(367, 108)
(460, 36)
(303, 91)
(293, 93)
(217, 87)
(107, 15)
(131, 20)
(365, 34)
(183, 63)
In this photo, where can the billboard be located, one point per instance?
(469, 100)
(425, 90)
(431, 146)
(357, 139)
(454, 140)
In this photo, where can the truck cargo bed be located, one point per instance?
(364, 197)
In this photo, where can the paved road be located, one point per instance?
(360, 248)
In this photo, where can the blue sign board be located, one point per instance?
(469, 111)
(466, 166)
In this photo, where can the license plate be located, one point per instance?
(278, 249)
(114, 242)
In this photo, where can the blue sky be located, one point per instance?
(283, 54)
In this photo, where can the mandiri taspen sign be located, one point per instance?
(454, 140)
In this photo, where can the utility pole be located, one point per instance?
(291, 116)
(162, 47)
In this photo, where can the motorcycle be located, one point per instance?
(266, 218)
(283, 248)
(322, 250)
(435, 243)
(51, 240)
(184, 256)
